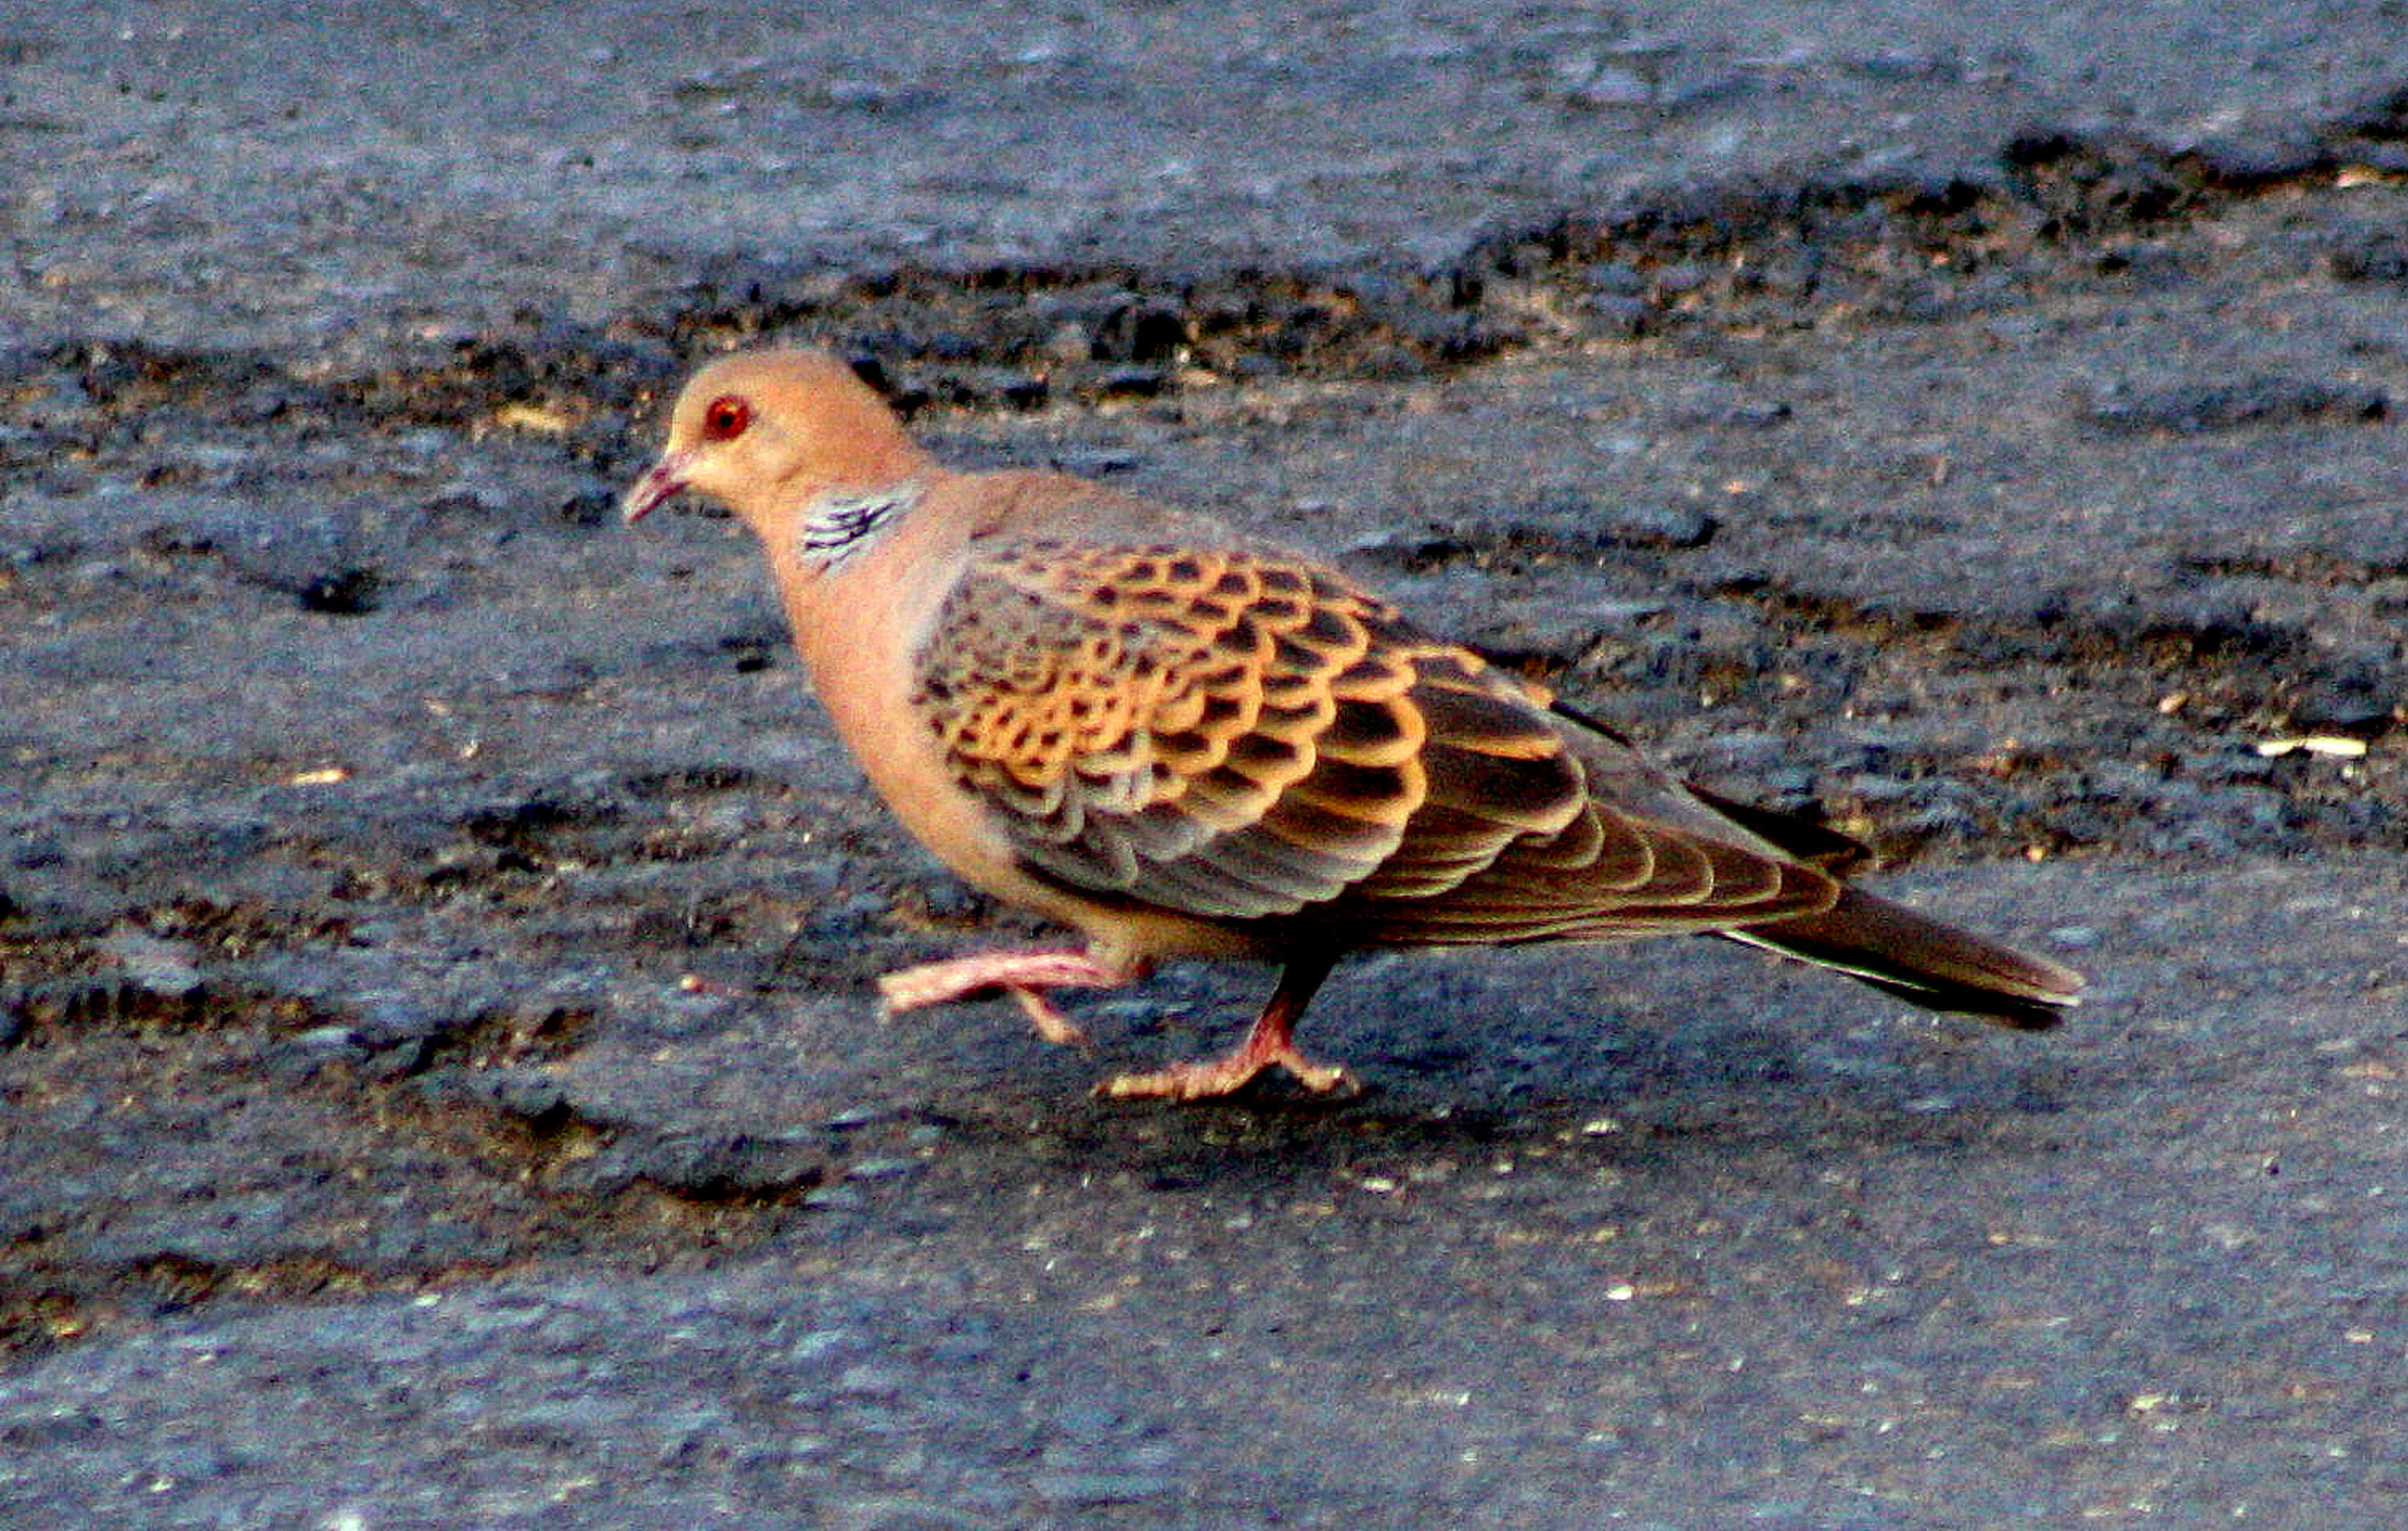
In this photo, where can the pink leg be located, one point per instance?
(1270, 1042)
(1023, 975)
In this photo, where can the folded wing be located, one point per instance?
(1240, 737)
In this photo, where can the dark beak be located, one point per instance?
(662, 480)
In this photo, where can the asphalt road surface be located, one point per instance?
(440, 1084)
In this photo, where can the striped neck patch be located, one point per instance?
(837, 525)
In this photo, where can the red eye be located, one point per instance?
(726, 418)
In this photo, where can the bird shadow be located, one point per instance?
(1632, 1053)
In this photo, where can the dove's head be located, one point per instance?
(775, 436)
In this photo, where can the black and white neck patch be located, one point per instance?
(837, 525)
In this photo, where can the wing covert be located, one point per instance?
(1241, 737)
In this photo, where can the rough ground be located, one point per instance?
(438, 1085)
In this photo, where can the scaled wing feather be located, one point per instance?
(1237, 735)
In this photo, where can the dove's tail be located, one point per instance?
(1921, 960)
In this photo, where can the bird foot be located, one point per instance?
(1024, 975)
(1270, 1043)
(1210, 1079)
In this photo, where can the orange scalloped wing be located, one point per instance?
(1241, 737)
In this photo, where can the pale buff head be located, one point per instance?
(768, 434)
